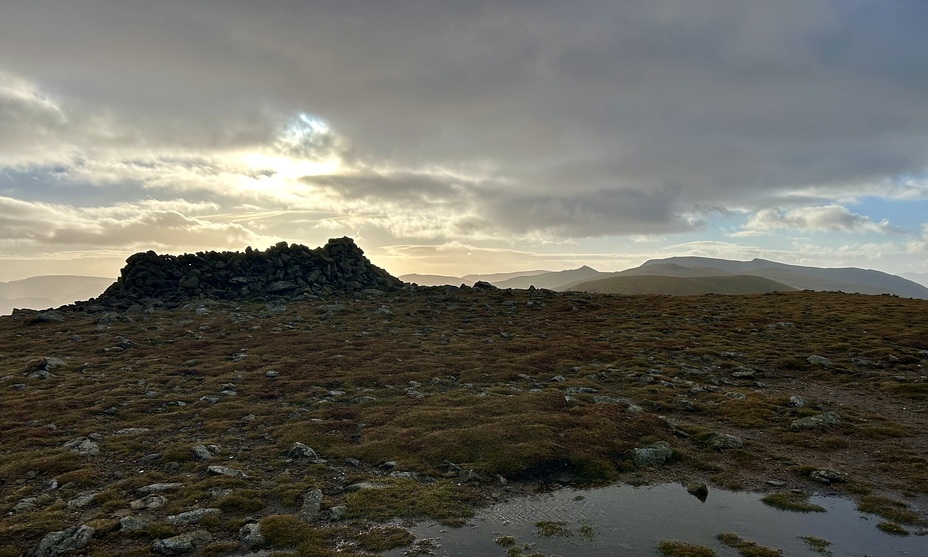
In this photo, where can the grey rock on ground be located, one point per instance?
(191, 517)
(83, 446)
(149, 502)
(312, 503)
(816, 421)
(226, 471)
(251, 537)
(183, 543)
(63, 542)
(722, 441)
(654, 454)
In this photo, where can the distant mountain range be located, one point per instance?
(704, 275)
(673, 275)
(49, 291)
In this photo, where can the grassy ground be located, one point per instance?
(432, 402)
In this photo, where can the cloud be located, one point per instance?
(828, 218)
(29, 226)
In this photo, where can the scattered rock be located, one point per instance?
(226, 471)
(698, 490)
(312, 503)
(159, 487)
(299, 450)
(149, 502)
(192, 517)
(721, 441)
(133, 524)
(251, 537)
(338, 512)
(796, 402)
(81, 501)
(828, 476)
(816, 421)
(63, 542)
(183, 543)
(83, 446)
(202, 453)
(654, 454)
(818, 360)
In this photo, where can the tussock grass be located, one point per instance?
(630, 370)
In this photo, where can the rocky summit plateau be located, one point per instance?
(304, 402)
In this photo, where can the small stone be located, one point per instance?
(83, 446)
(132, 524)
(312, 503)
(159, 487)
(299, 450)
(63, 542)
(338, 512)
(698, 490)
(149, 502)
(796, 402)
(818, 360)
(251, 537)
(81, 501)
(202, 453)
(721, 441)
(271, 373)
(226, 471)
(816, 421)
(194, 516)
(828, 476)
(654, 454)
(183, 543)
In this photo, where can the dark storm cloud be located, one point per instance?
(587, 118)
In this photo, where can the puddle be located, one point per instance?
(630, 521)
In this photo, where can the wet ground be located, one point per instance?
(626, 521)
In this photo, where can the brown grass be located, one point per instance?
(484, 398)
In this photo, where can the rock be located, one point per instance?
(83, 446)
(149, 502)
(26, 504)
(796, 402)
(251, 537)
(81, 501)
(159, 487)
(312, 503)
(338, 512)
(202, 453)
(698, 490)
(226, 471)
(63, 542)
(194, 516)
(183, 543)
(299, 450)
(149, 280)
(654, 454)
(132, 524)
(816, 421)
(818, 360)
(828, 476)
(483, 285)
(721, 441)
(271, 373)
(365, 485)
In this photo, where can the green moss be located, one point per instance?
(670, 548)
(552, 528)
(747, 548)
(791, 501)
(819, 545)
(892, 528)
(505, 541)
(284, 530)
(410, 499)
(384, 538)
(242, 503)
(889, 509)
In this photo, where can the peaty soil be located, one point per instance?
(430, 401)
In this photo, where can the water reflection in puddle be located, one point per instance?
(630, 521)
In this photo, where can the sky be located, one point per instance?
(462, 137)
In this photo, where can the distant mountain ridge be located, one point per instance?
(778, 276)
(48, 291)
